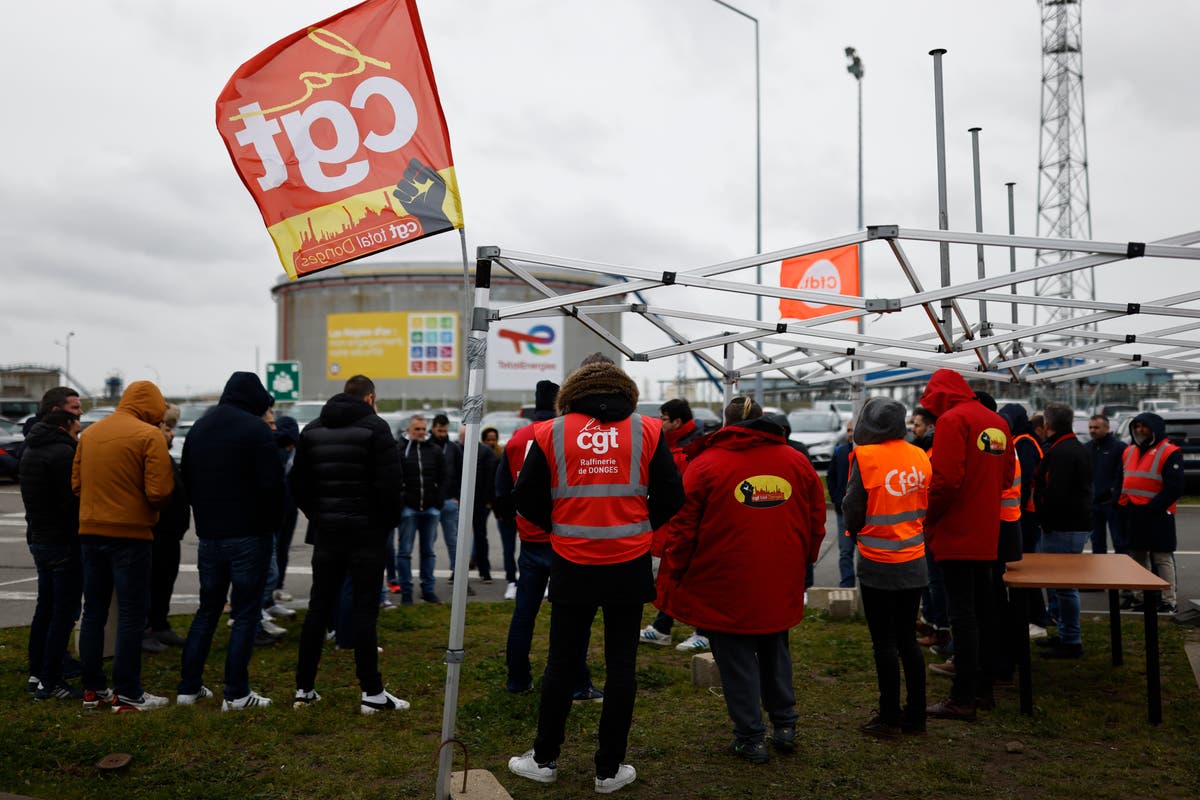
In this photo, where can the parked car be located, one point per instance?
(506, 424)
(11, 442)
(304, 411)
(820, 431)
(706, 419)
(1158, 405)
(1183, 429)
(18, 408)
(94, 415)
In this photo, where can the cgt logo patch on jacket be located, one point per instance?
(992, 441)
(763, 491)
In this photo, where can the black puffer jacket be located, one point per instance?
(51, 508)
(346, 476)
(425, 475)
(231, 466)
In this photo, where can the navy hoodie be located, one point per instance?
(231, 465)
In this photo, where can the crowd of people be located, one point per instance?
(612, 510)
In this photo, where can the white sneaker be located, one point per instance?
(252, 700)
(693, 643)
(384, 701)
(282, 612)
(269, 626)
(1036, 631)
(626, 775)
(653, 636)
(190, 699)
(527, 767)
(147, 702)
(511, 592)
(303, 698)
(283, 596)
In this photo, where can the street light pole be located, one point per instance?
(66, 345)
(758, 311)
(855, 68)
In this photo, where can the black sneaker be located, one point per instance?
(1049, 641)
(430, 597)
(754, 752)
(32, 684)
(877, 727)
(61, 691)
(406, 598)
(589, 695)
(1064, 651)
(783, 739)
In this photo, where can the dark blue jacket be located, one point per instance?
(1107, 469)
(51, 508)
(452, 452)
(838, 474)
(1027, 450)
(231, 466)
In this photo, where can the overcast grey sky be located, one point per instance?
(620, 132)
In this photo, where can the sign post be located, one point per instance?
(283, 380)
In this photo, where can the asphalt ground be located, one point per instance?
(18, 580)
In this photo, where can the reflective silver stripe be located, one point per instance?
(1010, 502)
(600, 490)
(1151, 476)
(558, 440)
(891, 544)
(601, 531)
(1016, 484)
(1158, 457)
(892, 519)
(1140, 492)
(635, 452)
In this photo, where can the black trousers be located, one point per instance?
(360, 556)
(970, 596)
(164, 569)
(570, 627)
(889, 618)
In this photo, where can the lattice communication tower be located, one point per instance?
(1064, 205)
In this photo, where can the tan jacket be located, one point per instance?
(122, 471)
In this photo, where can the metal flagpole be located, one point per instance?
(472, 416)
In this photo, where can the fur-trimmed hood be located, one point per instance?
(592, 386)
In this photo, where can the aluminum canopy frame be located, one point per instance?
(810, 352)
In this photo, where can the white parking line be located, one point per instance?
(21, 580)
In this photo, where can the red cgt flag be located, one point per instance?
(338, 133)
(834, 271)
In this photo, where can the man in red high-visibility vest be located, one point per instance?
(599, 478)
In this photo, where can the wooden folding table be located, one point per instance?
(1111, 572)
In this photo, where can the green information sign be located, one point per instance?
(283, 380)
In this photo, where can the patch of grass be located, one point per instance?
(1088, 738)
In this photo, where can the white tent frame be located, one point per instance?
(999, 352)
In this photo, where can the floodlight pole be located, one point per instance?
(1012, 251)
(981, 271)
(855, 68)
(758, 310)
(943, 215)
(66, 345)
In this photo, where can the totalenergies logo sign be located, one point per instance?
(537, 340)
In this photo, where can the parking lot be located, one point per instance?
(18, 582)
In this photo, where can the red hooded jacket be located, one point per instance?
(973, 463)
(753, 520)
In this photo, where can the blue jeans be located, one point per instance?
(845, 554)
(531, 587)
(268, 595)
(413, 522)
(933, 601)
(122, 565)
(1106, 518)
(241, 562)
(1068, 599)
(508, 543)
(448, 517)
(59, 589)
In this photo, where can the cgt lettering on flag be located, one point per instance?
(337, 132)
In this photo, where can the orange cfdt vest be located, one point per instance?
(1010, 498)
(1143, 473)
(598, 476)
(896, 476)
(1029, 506)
